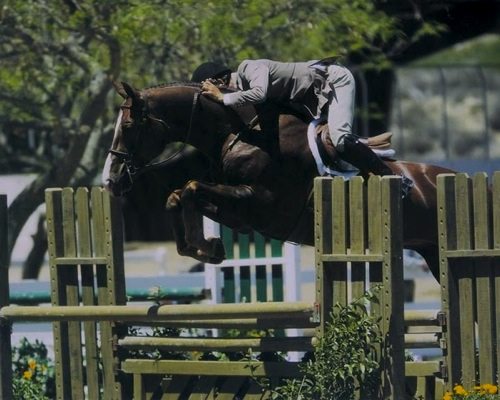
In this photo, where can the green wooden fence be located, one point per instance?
(469, 232)
(85, 238)
(358, 245)
(88, 295)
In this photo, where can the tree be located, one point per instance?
(58, 59)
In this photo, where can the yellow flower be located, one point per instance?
(448, 396)
(27, 374)
(32, 363)
(459, 389)
(479, 389)
(490, 389)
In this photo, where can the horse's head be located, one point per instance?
(139, 137)
(151, 118)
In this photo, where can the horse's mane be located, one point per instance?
(223, 88)
(176, 83)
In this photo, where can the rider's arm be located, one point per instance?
(253, 75)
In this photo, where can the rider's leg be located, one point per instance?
(340, 117)
(352, 150)
(268, 115)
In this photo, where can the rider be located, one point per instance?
(321, 89)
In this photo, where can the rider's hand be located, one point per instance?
(212, 91)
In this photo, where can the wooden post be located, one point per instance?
(84, 246)
(53, 202)
(496, 265)
(393, 289)
(483, 275)
(108, 236)
(84, 234)
(469, 215)
(449, 290)
(356, 225)
(5, 327)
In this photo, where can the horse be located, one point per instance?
(250, 187)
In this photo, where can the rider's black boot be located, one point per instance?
(352, 150)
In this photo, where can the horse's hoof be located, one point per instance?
(204, 258)
(217, 251)
(173, 201)
(213, 260)
(187, 251)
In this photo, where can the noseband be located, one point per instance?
(135, 169)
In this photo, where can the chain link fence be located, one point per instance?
(446, 113)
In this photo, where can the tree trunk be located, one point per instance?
(62, 170)
(34, 262)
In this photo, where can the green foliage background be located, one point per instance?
(58, 57)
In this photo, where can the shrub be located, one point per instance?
(33, 372)
(344, 360)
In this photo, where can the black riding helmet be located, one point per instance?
(209, 70)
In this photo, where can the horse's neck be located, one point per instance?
(210, 126)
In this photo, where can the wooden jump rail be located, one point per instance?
(274, 310)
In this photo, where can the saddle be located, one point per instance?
(380, 144)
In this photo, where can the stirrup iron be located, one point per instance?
(406, 185)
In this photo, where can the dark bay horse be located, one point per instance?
(248, 189)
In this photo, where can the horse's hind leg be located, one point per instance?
(431, 256)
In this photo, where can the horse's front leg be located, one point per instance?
(174, 208)
(229, 204)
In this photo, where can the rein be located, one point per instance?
(127, 158)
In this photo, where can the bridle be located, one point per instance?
(128, 158)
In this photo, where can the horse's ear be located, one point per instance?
(130, 91)
(120, 89)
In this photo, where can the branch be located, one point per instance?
(66, 167)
